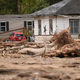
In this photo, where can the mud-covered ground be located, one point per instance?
(26, 67)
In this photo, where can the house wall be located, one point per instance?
(59, 23)
(45, 35)
(14, 23)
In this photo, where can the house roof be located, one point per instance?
(16, 16)
(71, 8)
(64, 7)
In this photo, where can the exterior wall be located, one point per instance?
(42, 39)
(62, 23)
(59, 23)
(14, 23)
(44, 22)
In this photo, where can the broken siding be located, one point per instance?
(45, 23)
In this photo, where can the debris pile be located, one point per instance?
(22, 47)
(61, 45)
(65, 45)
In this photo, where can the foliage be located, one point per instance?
(23, 6)
(39, 5)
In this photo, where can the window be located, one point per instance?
(39, 27)
(50, 27)
(4, 26)
(28, 23)
(18, 35)
(74, 24)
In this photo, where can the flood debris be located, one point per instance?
(60, 45)
(64, 45)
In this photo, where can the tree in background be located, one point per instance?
(39, 5)
(52, 1)
(23, 6)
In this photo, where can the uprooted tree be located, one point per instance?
(65, 45)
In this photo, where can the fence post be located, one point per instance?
(27, 34)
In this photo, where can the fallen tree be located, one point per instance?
(65, 45)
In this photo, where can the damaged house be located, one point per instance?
(55, 18)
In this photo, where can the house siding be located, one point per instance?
(59, 23)
(14, 23)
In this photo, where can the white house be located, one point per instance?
(55, 18)
(11, 22)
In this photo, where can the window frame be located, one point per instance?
(2, 26)
(73, 28)
(39, 29)
(31, 23)
(50, 25)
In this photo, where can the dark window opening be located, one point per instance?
(2, 28)
(50, 27)
(39, 27)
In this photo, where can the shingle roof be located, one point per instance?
(15, 16)
(51, 10)
(71, 8)
(65, 7)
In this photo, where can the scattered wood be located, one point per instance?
(32, 50)
(61, 45)
(65, 45)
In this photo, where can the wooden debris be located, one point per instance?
(66, 46)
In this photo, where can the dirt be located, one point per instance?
(26, 67)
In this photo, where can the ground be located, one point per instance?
(26, 67)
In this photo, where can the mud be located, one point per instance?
(26, 67)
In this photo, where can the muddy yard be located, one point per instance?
(26, 67)
(57, 60)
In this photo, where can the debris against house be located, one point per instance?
(61, 45)
(64, 45)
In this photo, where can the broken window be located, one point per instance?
(74, 24)
(39, 27)
(50, 27)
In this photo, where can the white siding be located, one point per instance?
(36, 27)
(62, 23)
(44, 22)
(59, 23)
(54, 25)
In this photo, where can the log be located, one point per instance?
(32, 50)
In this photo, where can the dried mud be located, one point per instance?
(26, 67)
